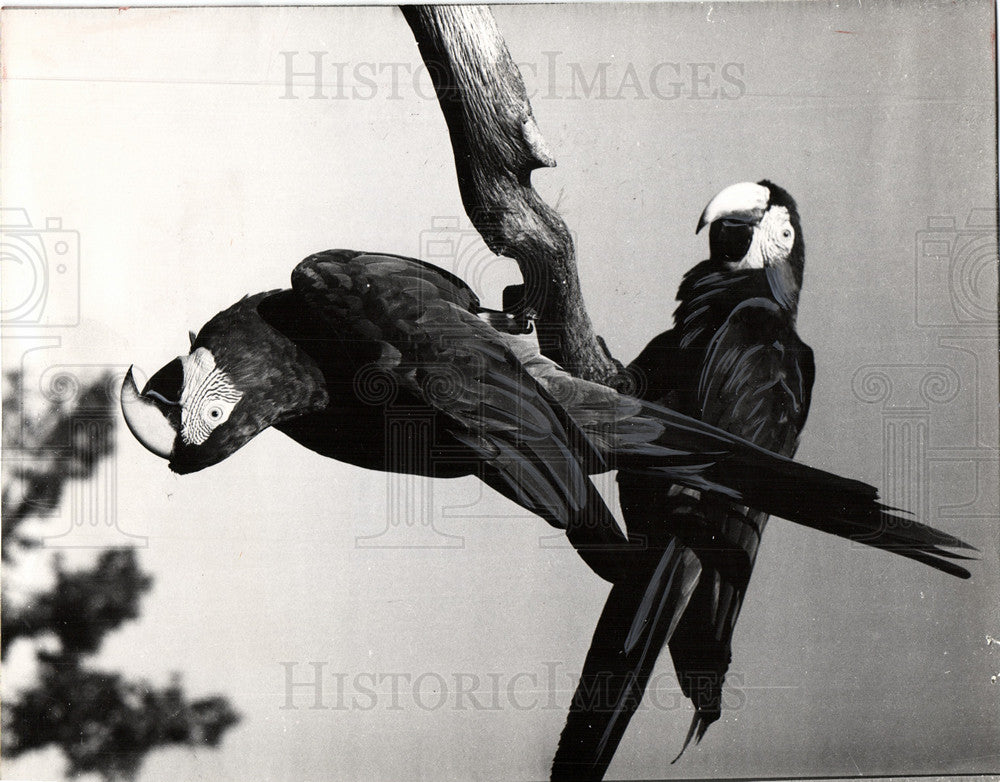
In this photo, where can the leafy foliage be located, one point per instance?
(102, 722)
(84, 605)
(106, 724)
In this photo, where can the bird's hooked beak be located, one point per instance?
(153, 416)
(745, 203)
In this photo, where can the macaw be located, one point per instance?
(359, 335)
(735, 361)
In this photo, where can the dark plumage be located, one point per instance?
(360, 337)
(733, 360)
(745, 370)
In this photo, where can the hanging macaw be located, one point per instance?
(298, 360)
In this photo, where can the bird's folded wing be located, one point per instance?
(436, 347)
(757, 378)
(755, 382)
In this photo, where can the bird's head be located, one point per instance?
(756, 226)
(240, 377)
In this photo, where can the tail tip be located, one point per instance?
(699, 725)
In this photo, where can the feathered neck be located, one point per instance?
(708, 293)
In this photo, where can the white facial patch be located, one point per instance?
(208, 398)
(772, 241)
(776, 235)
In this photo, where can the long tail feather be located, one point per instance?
(702, 457)
(638, 619)
(701, 645)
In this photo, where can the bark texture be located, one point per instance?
(497, 144)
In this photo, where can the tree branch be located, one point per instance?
(497, 144)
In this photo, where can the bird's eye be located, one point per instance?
(215, 415)
(787, 233)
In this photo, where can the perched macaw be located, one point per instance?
(733, 360)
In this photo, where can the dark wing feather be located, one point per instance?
(707, 459)
(638, 618)
(755, 382)
(750, 386)
(651, 445)
(437, 348)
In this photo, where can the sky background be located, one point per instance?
(163, 138)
